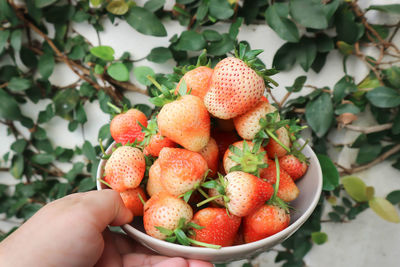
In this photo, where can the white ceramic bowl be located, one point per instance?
(310, 190)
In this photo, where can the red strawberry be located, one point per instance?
(210, 154)
(288, 190)
(224, 139)
(125, 127)
(156, 143)
(154, 185)
(197, 81)
(186, 122)
(244, 192)
(219, 227)
(125, 168)
(181, 170)
(293, 166)
(235, 88)
(265, 221)
(132, 201)
(164, 210)
(244, 156)
(248, 124)
(274, 148)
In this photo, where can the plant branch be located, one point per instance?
(370, 129)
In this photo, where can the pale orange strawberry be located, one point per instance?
(125, 127)
(264, 222)
(186, 122)
(164, 210)
(154, 185)
(181, 170)
(156, 143)
(235, 88)
(197, 81)
(293, 166)
(210, 154)
(248, 124)
(274, 148)
(132, 200)
(125, 168)
(219, 228)
(288, 190)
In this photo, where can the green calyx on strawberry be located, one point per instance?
(275, 200)
(296, 151)
(219, 185)
(180, 234)
(250, 58)
(116, 110)
(269, 125)
(149, 131)
(294, 129)
(167, 95)
(186, 196)
(250, 161)
(202, 60)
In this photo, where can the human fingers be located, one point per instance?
(198, 263)
(126, 245)
(110, 256)
(140, 259)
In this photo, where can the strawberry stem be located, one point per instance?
(153, 81)
(199, 243)
(208, 200)
(114, 107)
(201, 191)
(278, 176)
(141, 199)
(273, 136)
(104, 182)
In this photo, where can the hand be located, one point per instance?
(72, 232)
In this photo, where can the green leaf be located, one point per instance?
(118, 71)
(384, 97)
(43, 159)
(297, 85)
(190, 41)
(15, 40)
(141, 74)
(46, 115)
(29, 210)
(145, 22)
(19, 145)
(347, 29)
(96, 3)
(308, 13)
(324, 43)
(220, 9)
(81, 114)
(285, 57)
(393, 8)
(9, 108)
(17, 166)
(44, 3)
(154, 5)
(46, 65)
(384, 209)
(394, 197)
(329, 172)
(284, 27)
(355, 187)
(3, 39)
(306, 53)
(159, 54)
(319, 238)
(39, 134)
(19, 84)
(347, 108)
(104, 52)
(86, 184)
(222, 46)
(89, 151)
(117, 7)
(28, 57)
(65, 101)
(396, 124)
(343, 87)
(368, 152)
(392, 75)
(319, 114)
(98, 69)
(77, 52)
(211, 35)
(104, 132)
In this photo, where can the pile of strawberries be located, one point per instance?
(216, 166)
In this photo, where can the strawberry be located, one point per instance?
(274, 148)
(224, 139)
(235, 88)
(181, 170)
(164, 210)
(125, 127)
(153, 141)
(210, 154)
(288, 190)
(240, 192)
(219, 228)
(293, 166)
(197, 81)
(125, 168)
(245, 156)
(154, 185)
(265, 221)
(248, 124)
(186, 122)
(132, 200)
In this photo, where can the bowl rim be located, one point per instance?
(285, 233)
